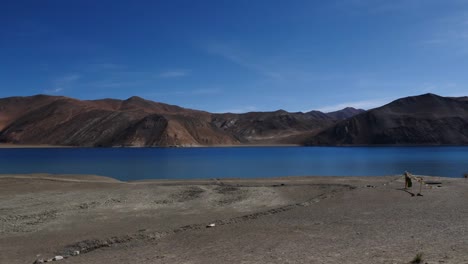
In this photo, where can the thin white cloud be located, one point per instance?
(453, 36)
(191, 92)
(363, 104)
(53, 91)
(115, 84)
(240, 58)
(277, 69)
(205, 91)
(448, 33)
(62, 83)
(240, 110)
(67, 79)
(173, 73)
(98, 67)
(380, 6)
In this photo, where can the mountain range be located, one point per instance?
(56, 120)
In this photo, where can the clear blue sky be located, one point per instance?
(241, 55)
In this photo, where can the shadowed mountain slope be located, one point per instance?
(424, 120)
(345, 113)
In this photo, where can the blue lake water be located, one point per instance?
(248, 162)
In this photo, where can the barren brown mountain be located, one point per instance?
(272, 127)
(57, 120)
(427, 119)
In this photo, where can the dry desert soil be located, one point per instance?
(276, 220)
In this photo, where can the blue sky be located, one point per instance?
(243, 55)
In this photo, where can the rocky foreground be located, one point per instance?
(91, 219)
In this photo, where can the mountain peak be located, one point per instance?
(348, 108)
(430, 94)
(135, 98)
(281, 111)
(426, 96)
(345, 113)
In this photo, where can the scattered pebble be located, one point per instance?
(76, 253)
(57, 258)
(211, 225)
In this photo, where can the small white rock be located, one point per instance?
(57, 258)
(211, 225)
(76, 253)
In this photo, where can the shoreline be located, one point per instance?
(201, 181)
(46, 146)
(20, 146)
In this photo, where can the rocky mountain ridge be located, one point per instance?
(58, 120)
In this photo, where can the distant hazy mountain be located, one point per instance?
(345, 113)
(423, 120)
(57, 120)
(273, 127)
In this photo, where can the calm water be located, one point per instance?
(184, 163)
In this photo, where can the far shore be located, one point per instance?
(250, 145)
(8, 145)
(12, 146)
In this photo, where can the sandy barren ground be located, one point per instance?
(280, 220)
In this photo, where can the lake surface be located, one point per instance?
(246, 162)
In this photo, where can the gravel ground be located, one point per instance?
(277, 220)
